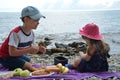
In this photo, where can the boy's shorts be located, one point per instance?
(14, 62)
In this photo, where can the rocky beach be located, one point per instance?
(62, 27)
(111, 38)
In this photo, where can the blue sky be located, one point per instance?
(48, 5)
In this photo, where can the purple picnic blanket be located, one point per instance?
(72, 75)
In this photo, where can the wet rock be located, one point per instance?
(47, 39)
(44, 43)
(69, 49)
(58, 45)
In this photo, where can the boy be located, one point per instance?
(20, 41)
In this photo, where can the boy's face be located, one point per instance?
(32, 23)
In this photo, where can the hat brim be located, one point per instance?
(37, 16)
(98, 37)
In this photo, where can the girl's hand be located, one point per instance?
(81, 53)
(42, 49)
(84, 56)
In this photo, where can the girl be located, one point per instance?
(95, 58)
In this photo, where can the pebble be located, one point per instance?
(43, 59)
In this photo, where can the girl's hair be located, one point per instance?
(101, 47)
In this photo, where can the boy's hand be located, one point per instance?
(34, 49)
(42, 49)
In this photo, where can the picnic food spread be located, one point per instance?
(42, 71)
(49, 70)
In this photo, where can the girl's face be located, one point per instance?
(87, 40)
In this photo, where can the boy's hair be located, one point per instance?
(23, 18)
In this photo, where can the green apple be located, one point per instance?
(17, 71)
(25, 73)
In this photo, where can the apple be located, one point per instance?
(17, 71)
(25, 73)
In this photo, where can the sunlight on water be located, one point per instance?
(64, 22)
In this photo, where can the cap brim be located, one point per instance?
(37, 16)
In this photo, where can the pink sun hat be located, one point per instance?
(91, 31)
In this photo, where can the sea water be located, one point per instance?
(63, 22)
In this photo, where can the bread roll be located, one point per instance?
(38, 73)
(52, 69)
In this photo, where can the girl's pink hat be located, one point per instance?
(91, 31)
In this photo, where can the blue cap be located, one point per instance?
(31, 12)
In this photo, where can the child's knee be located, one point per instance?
(27, 65)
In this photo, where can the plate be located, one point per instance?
(6, 72)
(40, 73)
(5, 75)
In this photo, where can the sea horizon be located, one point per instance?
(64, 22)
